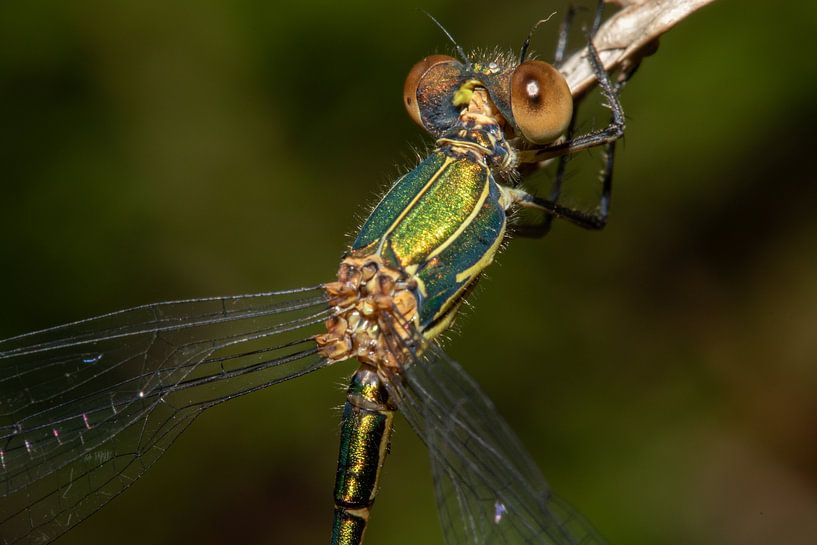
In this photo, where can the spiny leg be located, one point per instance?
(567, 23)
(538, 229)
(608, 137)
(589, 220)
(541, 229)
(564, 32)
(558, 59)
(597, 16)
(594, 220)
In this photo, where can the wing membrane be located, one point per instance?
(489, 491)
(87, 407)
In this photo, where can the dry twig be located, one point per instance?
(628, 36)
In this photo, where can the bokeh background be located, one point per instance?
(662, 372)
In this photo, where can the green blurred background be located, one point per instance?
(662, 372)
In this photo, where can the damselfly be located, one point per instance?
(89, 406)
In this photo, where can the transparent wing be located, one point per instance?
(87, 407)
(489, 491)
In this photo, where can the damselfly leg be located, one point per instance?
(597, 219)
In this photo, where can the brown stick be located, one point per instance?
(627, 36)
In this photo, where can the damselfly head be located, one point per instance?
(532, 99)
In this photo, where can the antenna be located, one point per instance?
(524, 51)
(459, 49)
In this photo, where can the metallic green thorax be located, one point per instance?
(364, 443)
(442, 222)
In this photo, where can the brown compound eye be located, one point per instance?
(413, 81)
(541, 102)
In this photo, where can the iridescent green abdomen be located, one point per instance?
(364, 442)
(441, 223)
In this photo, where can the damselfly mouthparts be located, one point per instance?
(90, 405)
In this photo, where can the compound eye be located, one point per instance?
(413, 79)
(541, 102)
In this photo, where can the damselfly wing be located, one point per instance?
(89, 406)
